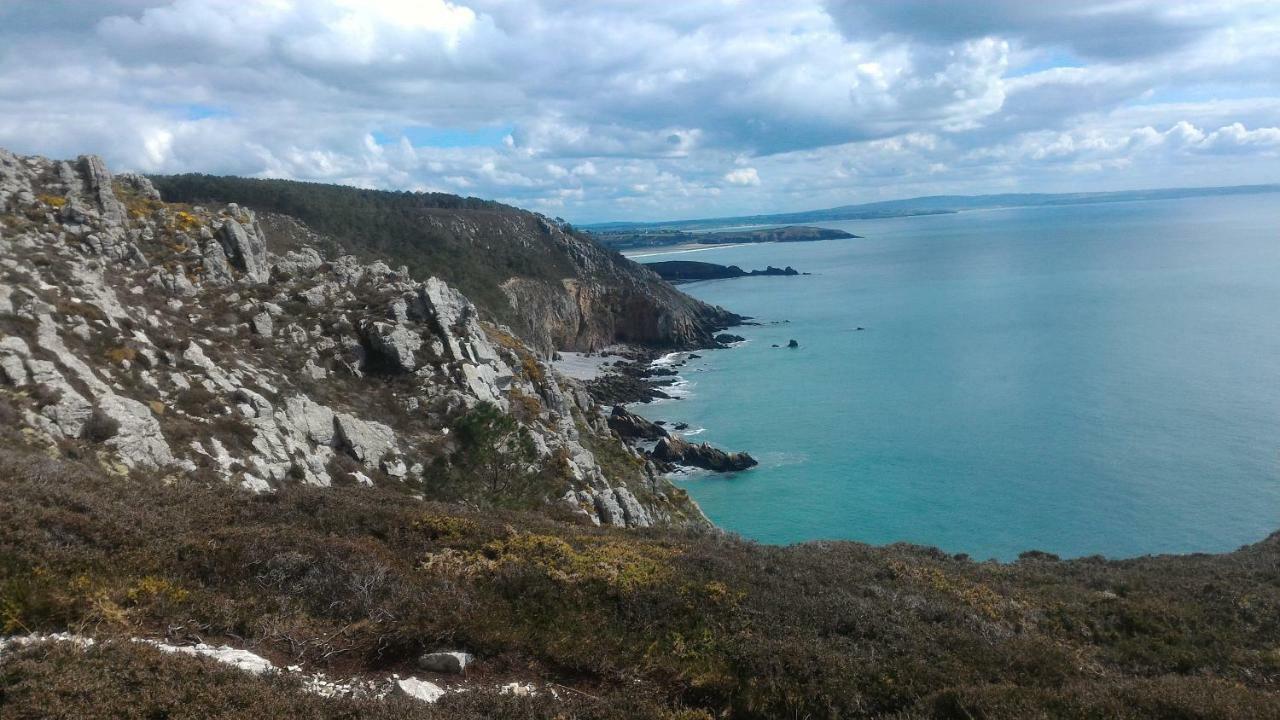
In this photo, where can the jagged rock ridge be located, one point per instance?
(556, 288)
(175, 338)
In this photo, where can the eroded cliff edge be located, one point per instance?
(553, 286)
(185, 339)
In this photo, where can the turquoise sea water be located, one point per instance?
(1100, 379)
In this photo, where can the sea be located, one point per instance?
(1082, 380)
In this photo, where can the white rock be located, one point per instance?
(420, 689)
(246, 250)
(253, 483)
(311, 419)
(239, 659)
(262, 324)
(138, 441)
(368, 441)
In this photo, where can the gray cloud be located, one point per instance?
(1107, 29)
(639, 109)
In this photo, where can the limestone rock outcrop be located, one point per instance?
(172, 338)
(245, 248)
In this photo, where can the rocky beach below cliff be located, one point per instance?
(621, 376)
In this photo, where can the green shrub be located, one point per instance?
(99, 427)
(634, 623)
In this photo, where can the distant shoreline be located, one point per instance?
(678, 249)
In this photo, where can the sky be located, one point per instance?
(598, 110)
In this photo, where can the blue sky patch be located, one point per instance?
(1047, 61)
(203, 112)
(423, 136)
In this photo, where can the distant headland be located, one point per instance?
(682, 271)
(651, 238)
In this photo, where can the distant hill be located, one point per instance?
(929, 205)
(553, 285)
(630, 239)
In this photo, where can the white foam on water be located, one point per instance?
(668, 359)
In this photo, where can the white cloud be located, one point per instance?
(629, 109)
(742, 176)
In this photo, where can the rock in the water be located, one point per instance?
(681, 452)
(445, 662)
(633, 427)
(793, 344)
(727, 338)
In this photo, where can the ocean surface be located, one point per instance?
(1093, 379)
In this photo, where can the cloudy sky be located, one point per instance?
(647, 109)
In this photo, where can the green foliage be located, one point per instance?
(473, 244)
(495, 460)
(361, 580)
(132, 681)
(99, 427)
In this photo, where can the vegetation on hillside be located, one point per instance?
(626, 623)
(659, 237)
(473, 244)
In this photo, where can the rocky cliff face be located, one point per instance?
(556, 288)
(610, 299)
(175, 338)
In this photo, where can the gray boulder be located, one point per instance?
(311, 419)
(367, 441)
(138, 440)
(262, 324)
(445, 662)
(217, 269)
(97, 189)
(296, 262)
(395, 343)
(246, 250)
(632, 510)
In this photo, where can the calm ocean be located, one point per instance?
(1096, 379)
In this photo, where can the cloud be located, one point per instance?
(1108, 29)
(631, 109)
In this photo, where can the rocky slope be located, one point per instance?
(181, 339)
(156, 357)
(556, 288)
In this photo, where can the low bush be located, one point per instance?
(633, 623)
(99, 427)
